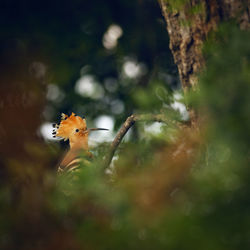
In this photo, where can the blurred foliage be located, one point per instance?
(178, 189)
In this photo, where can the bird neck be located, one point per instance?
(79, 143)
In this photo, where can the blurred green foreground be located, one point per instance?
(177, 189)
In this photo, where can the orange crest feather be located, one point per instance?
(68, 125)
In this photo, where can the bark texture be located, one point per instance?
(188, 25)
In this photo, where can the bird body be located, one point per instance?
(74, 129)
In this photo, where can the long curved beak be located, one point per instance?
(95, 129)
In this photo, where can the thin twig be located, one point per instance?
(130, 121)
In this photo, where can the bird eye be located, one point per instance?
(77, 130)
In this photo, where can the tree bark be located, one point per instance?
(188, 25)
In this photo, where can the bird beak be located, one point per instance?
(95, 129)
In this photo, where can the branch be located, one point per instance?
(124, 129)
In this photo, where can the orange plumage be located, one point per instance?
(74, 129)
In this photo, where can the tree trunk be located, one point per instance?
(188, 25)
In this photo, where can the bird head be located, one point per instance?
(74, 129)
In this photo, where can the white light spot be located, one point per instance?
(111, 36)
(181, 108)
(103, 121)
(46, 131)
(87, 86)
(132, 69)
(154, 128)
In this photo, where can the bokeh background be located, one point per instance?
(169, 186)
(98, 59)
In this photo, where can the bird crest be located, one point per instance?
(74, 129)
(69, 125)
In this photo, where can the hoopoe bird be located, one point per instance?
(74, 129)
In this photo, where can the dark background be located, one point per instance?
(66, 36)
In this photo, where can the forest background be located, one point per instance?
(176, 182)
